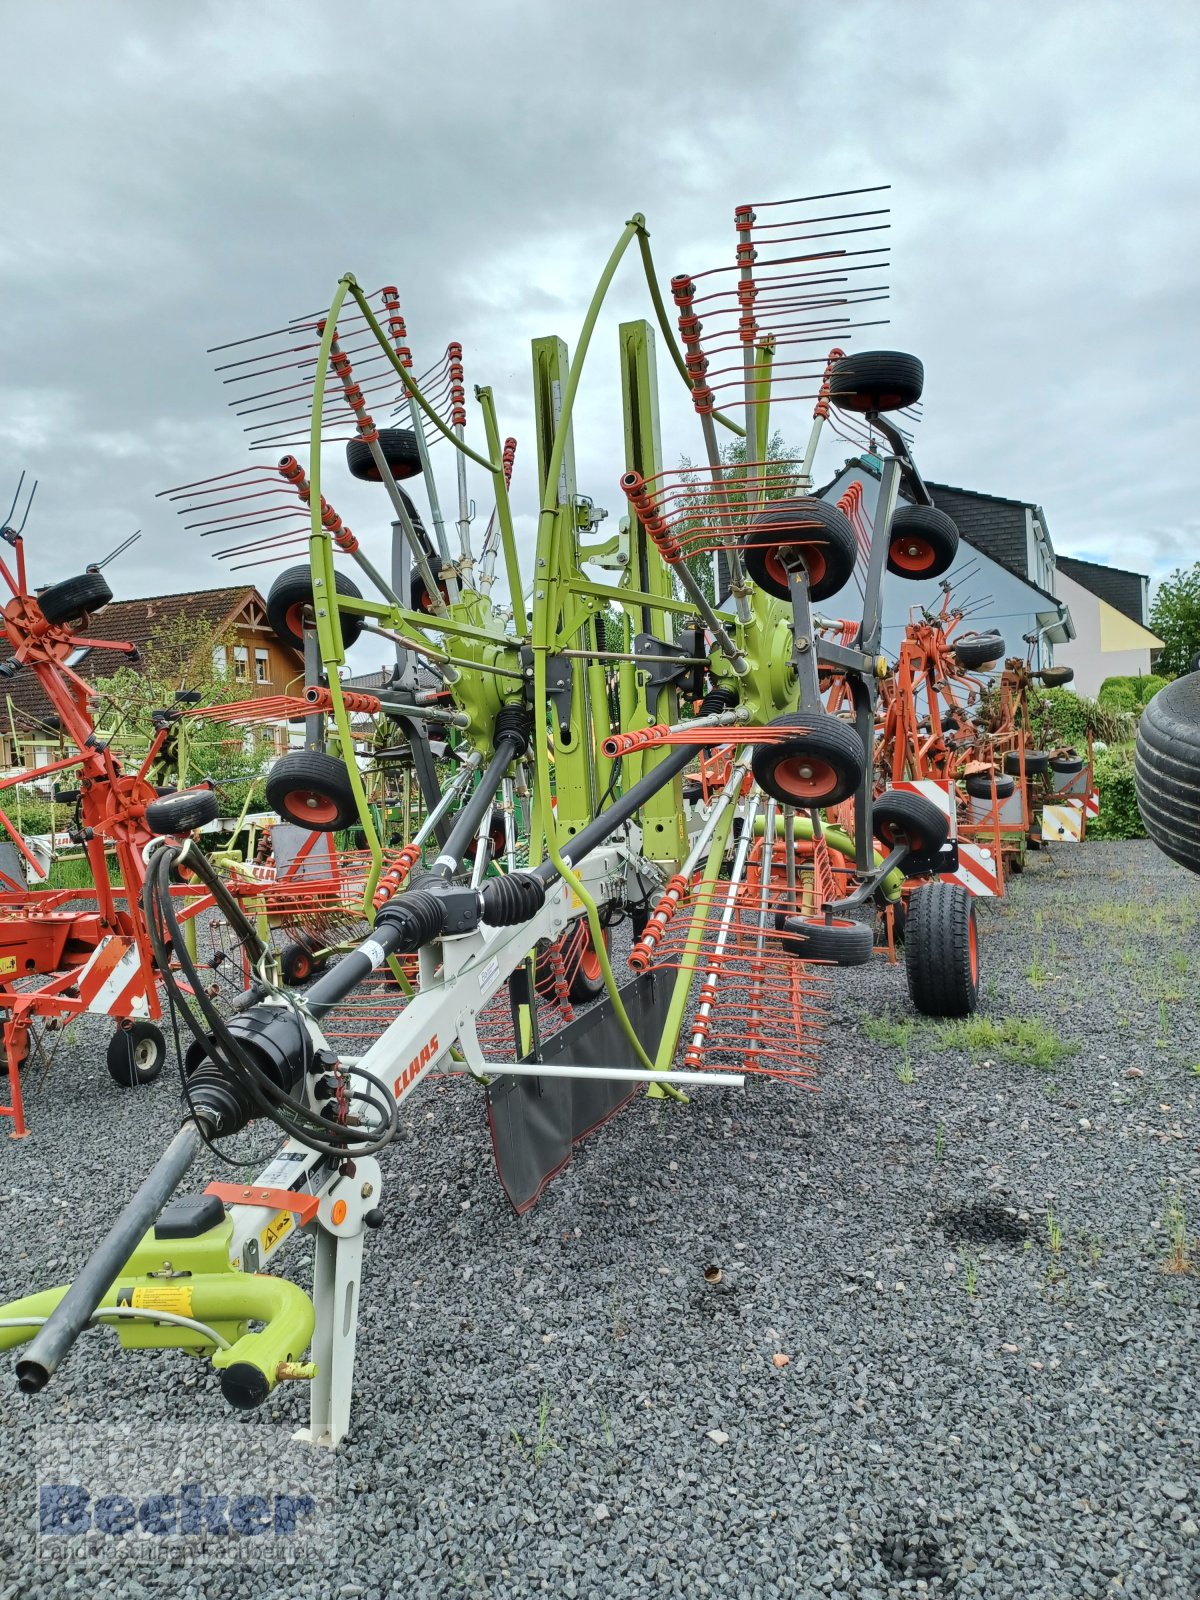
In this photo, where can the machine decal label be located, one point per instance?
(167, 1297)
(486, 978)
(415, 1066)
(8, 964)
(279, 1226)
(373, 950)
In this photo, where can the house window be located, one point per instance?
(241, 663)
(220, 660)
(262, 666)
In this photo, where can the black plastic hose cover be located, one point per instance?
(417, 917)
(512, 899)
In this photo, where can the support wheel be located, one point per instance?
(182, 811)
(136, 1053)
(74, 597)
(902, 817)
(296, 964)
(292, 594)
(817, 530)
(1166, 770)
(1056, 677)
(876, 380)
(843, 942)
(313, 790)
(976, 650)
(399, 447)
(588, 981)
(822, 763)
(979, 786)
(941, 951)
(922, 542)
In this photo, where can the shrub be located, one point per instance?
(1130, 693)
(1062, 717)
(1119, 816)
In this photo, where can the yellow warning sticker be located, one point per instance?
(168, 1297)
(8, 965)
(279, 1226)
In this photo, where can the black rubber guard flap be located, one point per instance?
(536, 1122)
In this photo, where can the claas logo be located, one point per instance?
(428, 1054)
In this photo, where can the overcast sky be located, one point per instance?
(174, 176)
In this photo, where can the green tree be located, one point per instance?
(783, 479)
(1175, 618)
(179, 655)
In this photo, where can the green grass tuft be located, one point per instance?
(1025, 1040)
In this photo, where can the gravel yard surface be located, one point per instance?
(942, 1356)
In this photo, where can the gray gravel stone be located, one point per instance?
(905, 1449)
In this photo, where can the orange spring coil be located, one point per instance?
(390, 881)
(821, 409)
(621, 744)
(562, 991)
(510, 450)
(643, 950)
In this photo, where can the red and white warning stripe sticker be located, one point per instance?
(977, 870)
(111, 984)
(1091, 805)
(1063, 823)
(941, 791)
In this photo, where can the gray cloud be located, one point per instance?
(175, 177)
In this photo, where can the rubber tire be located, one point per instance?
(924, 825)
(1067, 767)
(582, 988)
(876, 380)
(975, 650)
(941, 959)
(1036, 763)
(321, 776)
(182, 810)
(126, 1045)
(293, 589)
(1166, 770)
(74, 597)
(399, 446)
(296, 964)
(843, 942)
(1056, 677)
(979, 786)
(819, 528)
(922, 542)
(827, 739)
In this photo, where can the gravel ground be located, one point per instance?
(564, 1405)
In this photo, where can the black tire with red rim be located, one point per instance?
(587, 981)
(296, 964)
(922, 542)
(876, 380)
(312, 789)
(291, 595)
(818, 530)
(399, 447)
(902, 817)
(822, 763)
(941, 950)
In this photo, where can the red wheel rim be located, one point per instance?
(310, 805)
(294, 618)
(888, 834)
(807, 777)
(590, 965)
(911, 554)
(302, 966)
(812, 555)
(973, 948)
